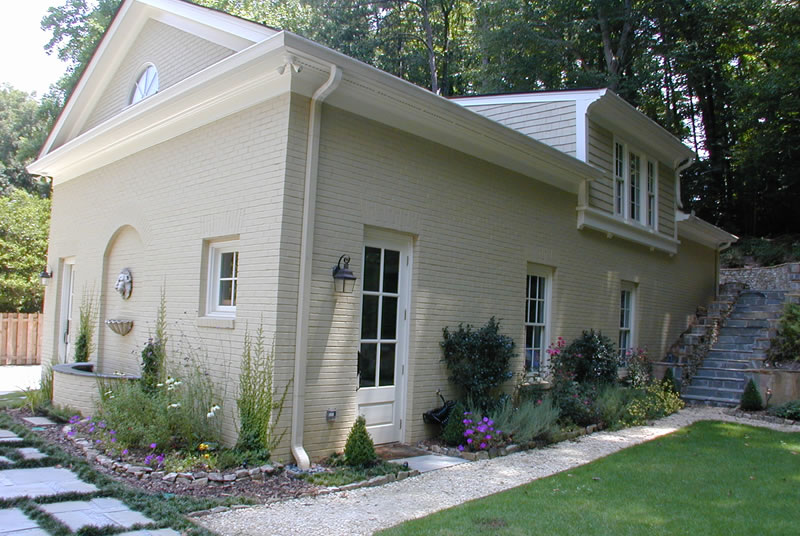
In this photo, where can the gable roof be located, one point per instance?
(231, 32)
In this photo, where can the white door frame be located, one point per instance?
(65, 324)
(403, 244)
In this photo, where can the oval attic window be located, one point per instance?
(146, 84)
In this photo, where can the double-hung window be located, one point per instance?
(626, 320)
(537, 318)
(223, 278)
(635, 186)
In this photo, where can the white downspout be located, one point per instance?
(306, 253)
(678, 169)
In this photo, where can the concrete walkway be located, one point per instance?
(367, 510)
(18, 378)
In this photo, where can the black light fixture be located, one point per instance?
(343, 278)
(46, 275)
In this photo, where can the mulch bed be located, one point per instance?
(273, 488)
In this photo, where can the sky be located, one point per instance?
(23, 62)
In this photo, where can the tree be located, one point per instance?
(24, 227)
(23, 127)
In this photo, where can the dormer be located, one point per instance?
(638, 194)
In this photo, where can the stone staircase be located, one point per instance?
(741, 344)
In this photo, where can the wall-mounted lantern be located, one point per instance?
(343, 278)
(46, 275)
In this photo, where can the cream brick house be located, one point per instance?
(234, 165)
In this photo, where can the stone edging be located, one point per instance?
(509, 449)
(735, 412)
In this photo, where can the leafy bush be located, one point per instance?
(765, 251)
(668, 381)
(640, 368)
(786, 346)
(789, 410)
(359, 451)
(533, 419)
(575, 401)
(652, 402)
(591, 358)
(612, 404)
(84, 344)
(453, 429)
(259, 409)
(478, 360)
(751, 398)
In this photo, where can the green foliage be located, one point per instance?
(668, 381)
(84, 343)
(786, 346)
(590, 358)
(24, 226)
(652, 402)
(23, 128)
(575, 401)
(640, 368)
(154, 354)
(764, 251)
(39, 400)
(532, 420)
(611, 405)
(359, 450)
(478, 360)
(453, 429)
(259, 409)
(344, 474)
(751, 397)
(789, 410)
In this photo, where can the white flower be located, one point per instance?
(214, 407)
(209, 414)
(175, 405)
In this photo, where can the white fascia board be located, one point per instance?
(615, 114)
(533, 97)
(592, 218)
(376, 95)
(698, 230)
(225, 30)
(234, 84)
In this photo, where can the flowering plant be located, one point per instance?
(481, 434)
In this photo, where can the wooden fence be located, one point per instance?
(20, 339)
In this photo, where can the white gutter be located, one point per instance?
(678, 169)
(306, 254)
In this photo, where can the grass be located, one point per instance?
(12, 400)
(167, 510)
(710, 478)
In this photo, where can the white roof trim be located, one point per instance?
(223, 29)
(592, 218)
(526, 98)
(698, 230)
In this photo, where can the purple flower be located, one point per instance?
(488, 437)
(469, 440)
(124, 452)
(112, 432)
(486, 419)
(469, 432)
(91, 429)
(152, 445)
(113, 439)
(74, 419)
(467, 421)
(71, 433)
(160, 459)
(498, 432)
(490, 422)
(148, 459)
(97, 441)
(483, 445)
(461, 448)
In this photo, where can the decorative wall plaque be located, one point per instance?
(124, 283)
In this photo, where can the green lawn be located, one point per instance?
(709, 478)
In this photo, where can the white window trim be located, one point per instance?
(547, 274)
(215, 251)
(630, 288)
(132, 99)
(654, 224)
(624, 211)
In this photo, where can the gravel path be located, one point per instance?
(367, 510)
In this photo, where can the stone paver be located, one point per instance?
(100, 512)
(430, 462)
(39, 421)
(154, 532)
(14, 522)
(40, 482)
(30, 453)
(7, 436)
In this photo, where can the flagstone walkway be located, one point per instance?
(40, 482)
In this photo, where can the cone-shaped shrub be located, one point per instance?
(359, 451)
(751, 398)
(453, 429)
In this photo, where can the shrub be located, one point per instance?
(751, 398)
(478, 360)
(359, 451)
(84, 343)
(652, 402)
(591, 358)
(789, 410)
(640, 368)
(786, 346)
(575, 401)
(612, 403)
(259, 409)
(453, 429)
(480, 434)
(668, 381)
(154, 354)
(533, 419)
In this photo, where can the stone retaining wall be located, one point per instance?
(781, 277)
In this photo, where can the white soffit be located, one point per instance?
(698, 230)
(228, 31)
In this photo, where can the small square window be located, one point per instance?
(223, 278)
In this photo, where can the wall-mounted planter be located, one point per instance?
(120, 327)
